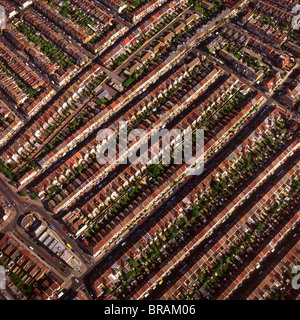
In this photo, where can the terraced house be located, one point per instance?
(130, 214)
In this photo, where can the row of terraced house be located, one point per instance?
(109, 281)
(38, 131)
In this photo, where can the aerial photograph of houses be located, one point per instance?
(149, 150)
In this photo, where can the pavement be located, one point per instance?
(23, 206)
(80, 279)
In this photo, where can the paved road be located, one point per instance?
(23, 206)
(242, 292)
(213, 238)
(115, 251)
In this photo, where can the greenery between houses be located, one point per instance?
(181, 227)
